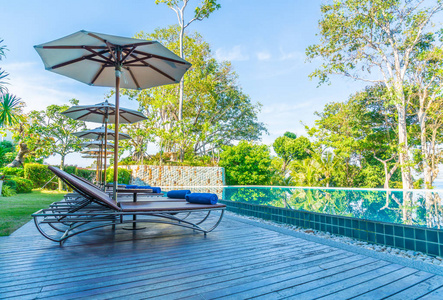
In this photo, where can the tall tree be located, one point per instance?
(217, 111)
(358, 36)
(51, 125)
(201, 12)
(289, 147)
(246, 164)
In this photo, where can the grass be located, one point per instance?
(15, 211)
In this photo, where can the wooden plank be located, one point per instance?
(420, 289)
(261, 287)
(396, 285)
(294, 291)
(436, 294)
(345, 283)
(370, 285)
(156, 286)
(169, 265)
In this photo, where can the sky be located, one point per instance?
(264, 40)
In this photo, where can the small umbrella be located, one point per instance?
(95, 152)
(98, 113)
(103, 113)
(99, 133)
(102, 60)
(97, 145)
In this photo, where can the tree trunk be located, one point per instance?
(62, 165)
(19, 159)
(406, 176)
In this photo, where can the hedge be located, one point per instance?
(124, 175)
(13, 171)
(20, 185)
(39, 174)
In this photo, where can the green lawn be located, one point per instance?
(16, 210)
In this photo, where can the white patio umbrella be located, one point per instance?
(100, 133)
(102, 60)
(97, 145)
(103, 113)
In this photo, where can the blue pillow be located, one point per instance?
(154, 189)
(178, 194)
(202, 198)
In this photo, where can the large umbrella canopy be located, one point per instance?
(91, 58)
(103, 113)
(113, 61)
(99, 133)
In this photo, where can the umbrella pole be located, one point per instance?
(106, 146)
(117, 117)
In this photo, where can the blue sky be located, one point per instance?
(264, 40)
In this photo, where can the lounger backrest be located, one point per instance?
(84, 180)
(84, 188)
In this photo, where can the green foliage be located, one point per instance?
(124, 175)
(290, 147)
(18, 184)
(7, 152)
(38, 174)
(246, 164)
(8, 191)
(84, 173)
(23, 185)
(217, 111)
(56, 130)
(10, 110)
(19, 172)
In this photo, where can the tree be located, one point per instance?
(201, 12)
(51, 125)
(246, 164)
(217, 112)
(358, 36)
(361, 133)
(289, 147)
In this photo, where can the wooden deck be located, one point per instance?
(236, 261)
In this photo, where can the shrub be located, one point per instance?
(70, 169)
(124, 175)
(39, 175)
(20, 172)
(23, 185)
(7, 191)
(18, 184)
(9, 182)
(86, 174)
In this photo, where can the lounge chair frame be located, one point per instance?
(69, 218)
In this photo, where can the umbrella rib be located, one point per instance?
(98, 74)
(133, 77)
(161, 57)
(75, 60)
(73, 47)
(127, 54)
(98, 54)
(155, 69)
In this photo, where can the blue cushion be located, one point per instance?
(178, 194)
(202, 198)
(131, 186)
(147, 187)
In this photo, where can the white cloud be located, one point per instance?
(294, 55)
(263, 55)
(234, 54)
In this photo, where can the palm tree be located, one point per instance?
(10, 109)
